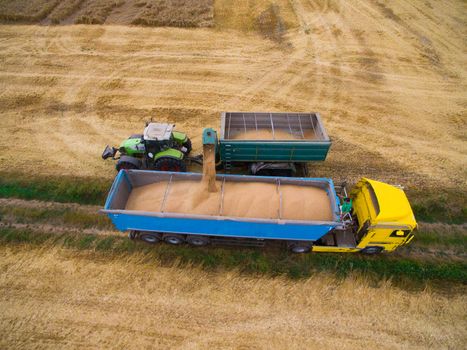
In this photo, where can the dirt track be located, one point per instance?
(389, 82)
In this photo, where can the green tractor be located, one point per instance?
(160, 147)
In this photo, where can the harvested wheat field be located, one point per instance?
(73, 300)
(388, 79)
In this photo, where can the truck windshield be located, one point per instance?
(374, 200)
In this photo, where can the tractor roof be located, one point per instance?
(158, 131)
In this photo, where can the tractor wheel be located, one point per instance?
(125, 165)
(187, 145)
(127, 162)
(170, 164)
(371, 250)
(197, 241)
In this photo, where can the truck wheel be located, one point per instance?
(173, 239)
(187, 145)
(151, 238)
(197, 241)
(170, 164)
(299, 247)
(371, 250)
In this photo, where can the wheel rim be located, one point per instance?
(372, 250)
(174, 240)
(149, 238)
(198, 242)
(300, 249)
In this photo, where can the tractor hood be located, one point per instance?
(132, 146)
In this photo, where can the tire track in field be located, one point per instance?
(46, 228)
(309, 67)
(22, 223)
(276, 83)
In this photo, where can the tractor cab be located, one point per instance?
(157, 137)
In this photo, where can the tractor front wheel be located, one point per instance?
(170, 164)
(127, 162)
(125, 165)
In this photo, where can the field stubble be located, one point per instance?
(389, 81)
(174, 13)
(123, 302)
(393, 113)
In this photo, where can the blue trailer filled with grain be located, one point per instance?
(307, 213)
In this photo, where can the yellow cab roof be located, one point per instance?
(394, 206)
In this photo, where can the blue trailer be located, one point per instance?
(178, 227)
(380, 219)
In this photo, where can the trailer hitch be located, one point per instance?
(197, 159)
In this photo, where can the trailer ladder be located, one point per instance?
(227, 158)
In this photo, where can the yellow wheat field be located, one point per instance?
(60, 299)
(389, 79)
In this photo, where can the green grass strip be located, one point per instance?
(255, 261)
(71, 217)
(59, 189)
(446, 206)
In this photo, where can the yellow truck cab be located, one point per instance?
(377, 217)
(383, 214)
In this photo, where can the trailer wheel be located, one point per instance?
(372, 250)
(151, 238)
(173, 239)
(298, 247)
(197, 241)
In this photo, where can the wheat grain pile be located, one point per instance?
(241, 199)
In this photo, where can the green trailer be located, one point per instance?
(272, 143)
